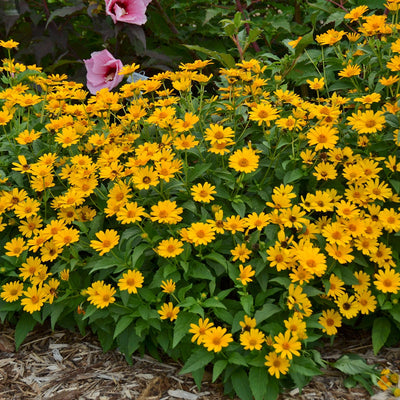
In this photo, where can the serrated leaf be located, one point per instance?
(241, 384)
(219, 366)
(197, 171)
(25, 325)
(199, 359)
(64, 11)
(267, 311)
(258, 377)
(122, 324)
(247, 303)
(237, 359)
(352, 364)
(182, 326)
(380, 333)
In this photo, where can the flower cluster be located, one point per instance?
(253, 219)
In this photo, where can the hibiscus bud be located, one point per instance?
(128, 11)
(102, 71)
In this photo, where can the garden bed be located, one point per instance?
(61, 365)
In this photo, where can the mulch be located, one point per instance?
(63, 365)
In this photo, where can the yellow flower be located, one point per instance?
(203, 193)
(330, 321)
(108, 239)
(15, 247)
(216, 338)
(244, 160)
(245, 274)
(168, 311)
(200, 330)
(241, 252)
(387, 280)
(316, 84)
(170, 248)
(252, 340)
(131, 281)
(35, 296)
(12, 291)
(100, 294)
(168, 286)
(201, 233)
(263, 112)
(287, 345)
(277, 364)
(9, 44)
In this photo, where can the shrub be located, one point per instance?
(237, 230)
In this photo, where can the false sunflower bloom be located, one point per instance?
(131, 281)
(252, 340)
(200, 329)
(277, 364)
(244, 160)
(330, 321)
(108, 239)
(168, 311)
(170, 248)
(12, 291)
(216, 338)
(387, 280)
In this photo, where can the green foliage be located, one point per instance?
(223, 220)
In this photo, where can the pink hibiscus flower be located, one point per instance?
(129, 11)
(102, 71)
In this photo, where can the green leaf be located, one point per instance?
(292, 176)
(304, 42)
(139, 250)
(237, 358)
(122, 324)
(182, 326)
(219, 366)
(352, 364)
(213, 303)
(25, 325)
(305, 367)
(197, 171)
(56, 310)
(241, 384)
(258, 376)
(380, 333)
(128, 342)
(64, 11)
(199, 359)
(247, 303)
(267, 311)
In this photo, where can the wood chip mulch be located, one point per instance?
(62, 365)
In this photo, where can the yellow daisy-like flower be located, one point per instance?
(35, 296)
(387, 280)
(277, 364)
(216, 338)
(252, 340)
(107, 240)
(101, 295)
(131, 281)
(200, 330)
(170, 248)
(201, 233)
(9, 44)
(12, 291)
(287, 345)
(168, 311)
(168, 286)
(330, 321)
(203, 192)
(245, 274)
(15, 247)
(244, 160)
(263, 113)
